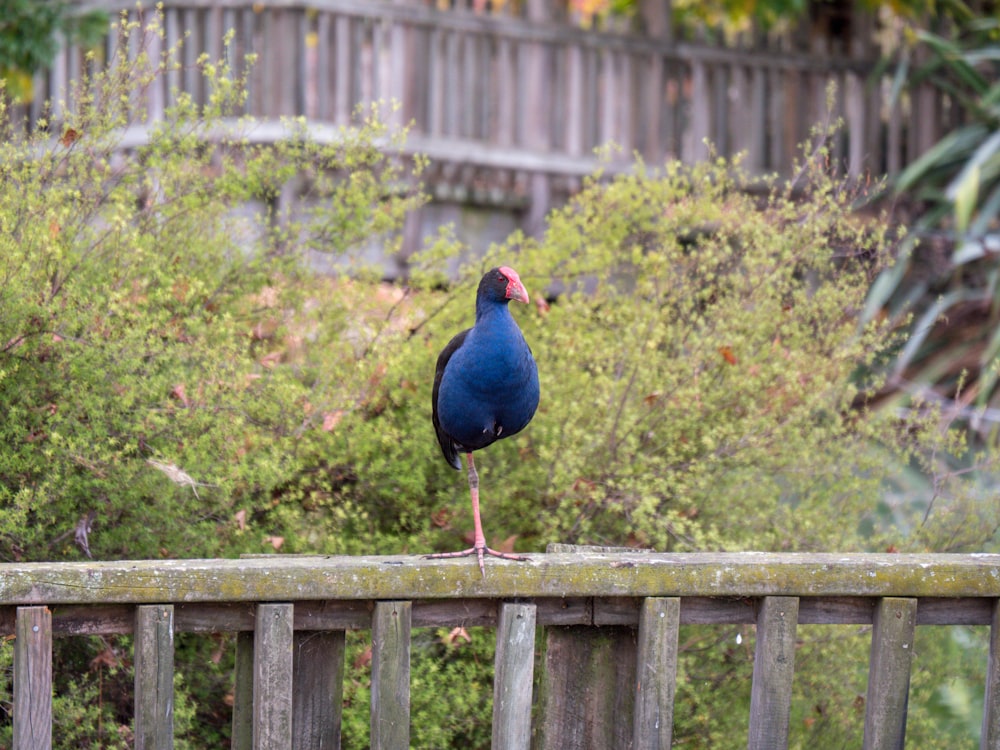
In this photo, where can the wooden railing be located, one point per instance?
(291, 614)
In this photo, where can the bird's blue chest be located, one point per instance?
(489, 388)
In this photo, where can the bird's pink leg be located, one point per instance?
(478, 547)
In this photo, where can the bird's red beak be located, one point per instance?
(515, 289)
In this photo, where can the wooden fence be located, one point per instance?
(510, 110)
(291, 614)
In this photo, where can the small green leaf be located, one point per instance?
(964, 193)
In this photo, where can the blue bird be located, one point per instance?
(485, 388)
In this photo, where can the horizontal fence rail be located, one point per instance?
(539, 91)
(291, 615)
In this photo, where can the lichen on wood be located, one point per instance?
(587, 574)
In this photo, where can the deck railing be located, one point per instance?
(291, 614)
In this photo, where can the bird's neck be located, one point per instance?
(489, 310)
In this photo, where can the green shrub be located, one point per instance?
(175, 381)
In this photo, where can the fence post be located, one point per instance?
(990, 736)
(588, 681)
(773, 669)
(515, 661)
(33, 679)
(242, 738)
(390, 699)
(272, 677)
(656, 673)
(318, 689)
(889, 673)
(154, 677)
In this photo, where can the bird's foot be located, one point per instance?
(480, 552)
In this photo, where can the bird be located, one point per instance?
(485, 389)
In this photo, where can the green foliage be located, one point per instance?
(713, 335)
(137, 381)
(31, 33)
(451, 688)
(944, 286)
(175, 380)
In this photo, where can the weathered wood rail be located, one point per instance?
(291, 614)
(510, 109)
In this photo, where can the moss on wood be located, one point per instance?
(296, 578)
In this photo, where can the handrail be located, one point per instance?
(583, 574)
(623, 608)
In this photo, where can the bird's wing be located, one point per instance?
(444, 440)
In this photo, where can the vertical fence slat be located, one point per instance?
(242, 738)
(390, 699)
(33, 679)
(588, 688)
(991, 703)
(889, 673)
(272, 677)
(698, 129)
(154, 677)
(515, 661)
(656, 673)
(773, 669)
(318, 680)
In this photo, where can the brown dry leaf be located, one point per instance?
(268, 297)
(380, 369)
(456, 634)
(331, 419)
(507, 545)
(180, 394)
(54, 229)
(441, 518)
(263, 330)
(363, 659)
(241, 519)
(727, 354)
(270, 360)
(276, 541)
(106, 658)
(69, 137)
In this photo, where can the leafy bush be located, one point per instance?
(175, 381)
(945, 285)
(140, 384)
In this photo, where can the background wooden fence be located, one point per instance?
(618, 611)
(510, 109)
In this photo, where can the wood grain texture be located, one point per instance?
(773, 669)
(390, 696)
(588, 688)
(242, 738)
(317, 689)
(990, 736)
(154, 677)
(582, 574)
(33, 679)
(656, 673)
(513, 677)
(272, 677)
(889, 673)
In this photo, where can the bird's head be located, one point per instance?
(501, 285)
